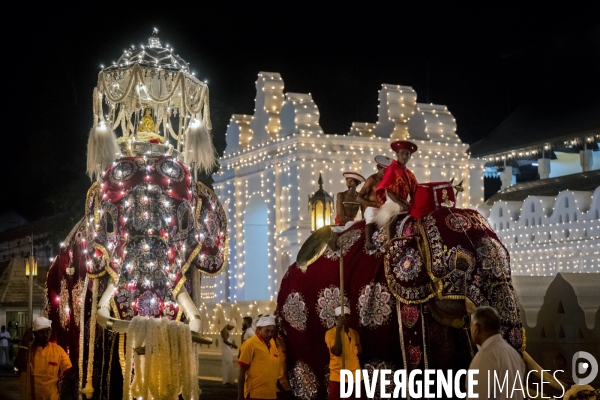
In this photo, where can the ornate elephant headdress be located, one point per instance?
(156, 104)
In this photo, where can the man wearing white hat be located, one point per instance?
(259, 363)
(344, 347)
(227, 354)
(346, 205)
(368, 198)
(41, 361)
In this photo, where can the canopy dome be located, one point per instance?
(153, 55)
(155, 106)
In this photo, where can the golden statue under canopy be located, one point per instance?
(147, 124)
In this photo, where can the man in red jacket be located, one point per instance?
(398, 186)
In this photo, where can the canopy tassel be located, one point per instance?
(102, 149)
(199, 151)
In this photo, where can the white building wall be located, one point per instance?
(547, 235)
(283, 161)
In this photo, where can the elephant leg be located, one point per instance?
(447, 347)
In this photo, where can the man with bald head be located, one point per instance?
(259, 363)
(495, 357)
(40, 363)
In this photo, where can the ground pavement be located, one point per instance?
(211, 389)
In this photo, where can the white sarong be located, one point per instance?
(370, 214)
(227, 370)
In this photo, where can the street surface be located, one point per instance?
(211, 389)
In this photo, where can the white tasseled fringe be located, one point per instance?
(199, 150)
(102, 149)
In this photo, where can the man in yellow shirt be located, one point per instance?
(40, 363)
(259, 363)
(341, 339)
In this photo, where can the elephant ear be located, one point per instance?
(213, 239)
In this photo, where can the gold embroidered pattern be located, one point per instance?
(63, 307)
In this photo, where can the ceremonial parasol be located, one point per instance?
(155, 105)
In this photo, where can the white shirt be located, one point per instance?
(4, 336)
(495, 354)
(248, 334)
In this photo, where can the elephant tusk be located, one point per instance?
(191, 312)
(104, 318)
(531, 365)
(117, 325)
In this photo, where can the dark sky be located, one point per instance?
(482, 61)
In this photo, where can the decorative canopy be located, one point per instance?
(151, 56)
(153, 102)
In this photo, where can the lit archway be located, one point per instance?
(256, 248)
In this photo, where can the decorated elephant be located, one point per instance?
(121, 290)
(147, 226)
(410, 297)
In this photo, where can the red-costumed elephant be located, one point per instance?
(147, 225)
(409, 299)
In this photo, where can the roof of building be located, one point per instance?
(10, 219)
(545, 121)
(585, 181)
(14, 285)
(41, 226)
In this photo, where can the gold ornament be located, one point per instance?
(147, 124)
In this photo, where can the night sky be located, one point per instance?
(482, 61)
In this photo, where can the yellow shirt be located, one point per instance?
(350, 344)
(44, 365)
(263, 368)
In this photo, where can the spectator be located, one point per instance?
(343, 343)
(259, 363)
(247, 331)
(41, 362)
(228, 371)
(494, 355)
(4, 340)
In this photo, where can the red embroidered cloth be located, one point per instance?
(306, 307)
(472, 267)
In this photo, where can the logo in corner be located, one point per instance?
(583, 367)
